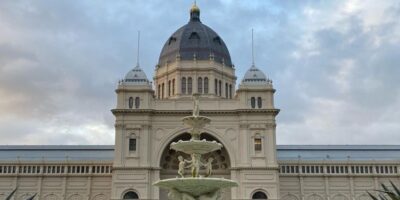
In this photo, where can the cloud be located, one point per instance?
(334, 64)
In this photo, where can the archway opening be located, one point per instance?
(259, 195)
(131, 195)
(169, 162)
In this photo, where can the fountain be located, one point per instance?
(195, 187)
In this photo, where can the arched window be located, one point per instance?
(230, 91)
(159, 91)
(183, 85)
(190, 85)
(173, 86)
(226, 90)
(219, 88)
(169, 88)
(205, 85)
(259, 195)
(216, 86)
(253, 102)
(162, 91)
(130, 195)
(257, 144)
(200, 85)
(259, 102)
(137, 102)
(130, 102)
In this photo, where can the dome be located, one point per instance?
(255, 76)
(136, 76)
(195, 41)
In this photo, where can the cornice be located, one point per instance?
(188, 112)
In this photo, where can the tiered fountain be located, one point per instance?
(196, 186)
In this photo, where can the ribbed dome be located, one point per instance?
(136, 76)
(255, 76)
(195, 41)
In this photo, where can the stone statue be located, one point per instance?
(196, 108)
(176, 195)
(208, 166)
(211, 196)
(182, 163)
(195, 164)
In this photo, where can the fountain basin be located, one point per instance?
(196, 186)
(196, 146)
(196, 121)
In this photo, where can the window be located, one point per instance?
(230, 91)
(219, 88)
(137, 102)
(130, 195)
(226, 90)
(205, 85)
(173, 86)
(169, 88)
(216, 86)
(159, 91)
(183, 85)
(162, 91)
(130, 102)
(259, 195)
(257, 144)
(132, 144)
(259, 102)
(189, 85)
(194, 35)
(200, 85)
(253, 102)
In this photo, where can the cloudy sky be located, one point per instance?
(335, 64)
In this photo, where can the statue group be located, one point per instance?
(194, 164)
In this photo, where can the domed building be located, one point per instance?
(195, 59)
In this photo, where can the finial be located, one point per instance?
(138, 49)
(194, 12)
(252, 47)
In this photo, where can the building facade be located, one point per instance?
(148, 115)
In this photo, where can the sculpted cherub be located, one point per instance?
(208, 166)
(182, 163)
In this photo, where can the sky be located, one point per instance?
(334, 64)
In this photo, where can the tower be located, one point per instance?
(195, 59)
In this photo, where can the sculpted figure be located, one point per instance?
(196, 108)
(176, 195)
(208, 166)
(195, 164)
(211, 196)
(182, 163)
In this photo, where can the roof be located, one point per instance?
(285, 152)
(255, 76)
(195, 41)
(136, 76)
(57, 152)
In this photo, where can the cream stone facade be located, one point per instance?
(148, 119)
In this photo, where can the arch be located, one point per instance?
(289, 197)
(189, 85)
(176, 133)
(51, 197)
(137, 102)
(183, 85)
(75, 197)
(130, 194)
(364, 197)
(99, 197)
(130, 102)
(259, 194)
(315, 197)
(253, 102)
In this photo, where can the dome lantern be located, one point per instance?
(195, 13)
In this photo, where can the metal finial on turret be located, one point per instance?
(138, 50)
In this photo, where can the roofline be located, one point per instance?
(56, 147)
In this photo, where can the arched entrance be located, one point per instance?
(259, 195)
(131, 195)
(169, 162)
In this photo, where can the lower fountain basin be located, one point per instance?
(196, 146)
(196, 186)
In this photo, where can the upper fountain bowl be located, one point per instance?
(196, 146)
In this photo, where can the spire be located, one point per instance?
(138, 49)
(195, 12)
(252, 47)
